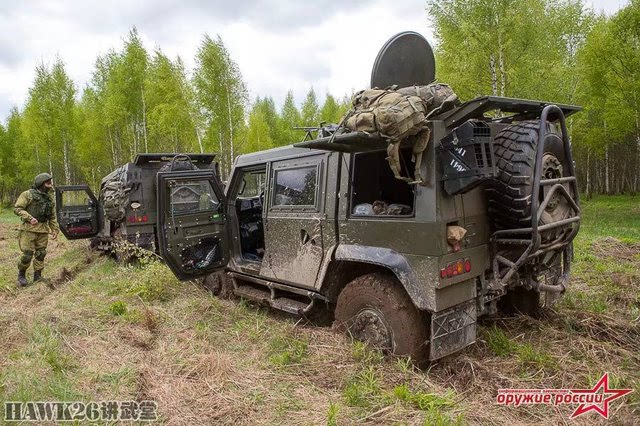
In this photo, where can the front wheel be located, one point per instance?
(375, 309)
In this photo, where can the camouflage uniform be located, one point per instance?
(33, 239)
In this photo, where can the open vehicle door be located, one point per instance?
(78, 211)
(192, 233)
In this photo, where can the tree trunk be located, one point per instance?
(503, 76)
(65, 158)
(118, 146)
(199, 138)
(494, 77)
(50, 161)
(175, 140)
(606, 171)
(588, 189)
(144, 121)
(37, 156)
(637, 168)
(113, 149)
(230, 129)
(222, 162)
(193, 118)
(134, 147)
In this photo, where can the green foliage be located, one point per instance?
(222, 97)
(558, 51)
(46, 340)
(118, 308)
(617, 217)
(420, 400)
(289, 118)
(497, 47)
(332, 414)
(154, 283)
(148, 278)
(362, 352)
(141, 102)
(529, 355)
(284, 351)
(498, 342)
(363, 389)
(48, 126)
(309, 112)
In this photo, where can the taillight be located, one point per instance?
(456, 268)
(134, 219)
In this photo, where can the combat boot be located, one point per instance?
(22, 279)
(37, 276)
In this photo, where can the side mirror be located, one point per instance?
(243, 185)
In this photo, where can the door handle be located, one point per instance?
(304, 237)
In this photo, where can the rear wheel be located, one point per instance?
(510, 195)
(375, 309)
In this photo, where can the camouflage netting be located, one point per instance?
(399, 115)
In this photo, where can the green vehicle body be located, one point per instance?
(283, 232)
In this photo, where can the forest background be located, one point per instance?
(143, 101)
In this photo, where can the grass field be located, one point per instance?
(102, 331)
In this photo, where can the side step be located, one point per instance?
(275, 295)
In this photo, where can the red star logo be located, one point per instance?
(603, 384)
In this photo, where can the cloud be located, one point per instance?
(279, 45)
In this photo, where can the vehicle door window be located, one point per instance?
(75, 199)
(192, 196)
(252, 184)
(375, 191)
(296, 187)
(249, 205)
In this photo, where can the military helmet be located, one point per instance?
(41, 178)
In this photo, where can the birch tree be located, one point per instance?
(222, 96)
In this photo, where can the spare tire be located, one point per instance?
(510, 194)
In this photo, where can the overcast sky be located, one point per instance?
(278, 44)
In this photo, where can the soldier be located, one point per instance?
(37, 210)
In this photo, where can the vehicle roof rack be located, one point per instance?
(165, 157)
(346, 142)
(521, 109)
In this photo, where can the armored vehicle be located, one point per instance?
(125, 208)
(408, 265)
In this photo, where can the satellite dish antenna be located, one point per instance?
(406, 59)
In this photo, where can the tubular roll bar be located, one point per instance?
(534, 246)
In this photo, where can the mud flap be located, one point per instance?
(452, 329)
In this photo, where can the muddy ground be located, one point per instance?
(102, 331)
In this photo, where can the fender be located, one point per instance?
(391, 260)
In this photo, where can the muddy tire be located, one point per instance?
(510, 194)
(374, 308)
(219, 284)
(520, 301)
